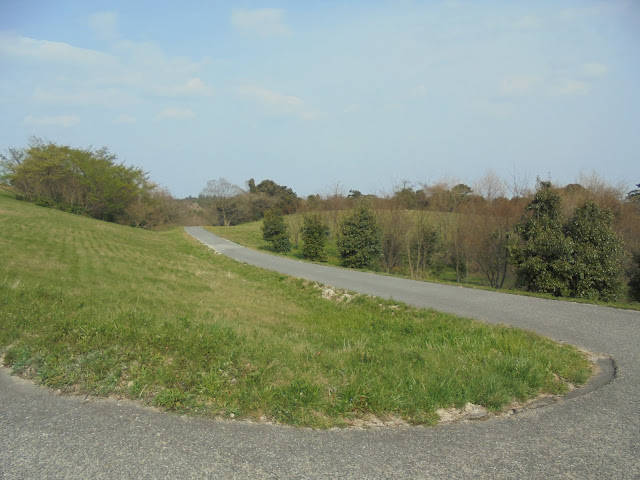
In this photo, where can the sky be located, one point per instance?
(355, 95)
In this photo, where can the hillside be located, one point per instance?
(89, 306)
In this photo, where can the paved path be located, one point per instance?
(596, 435)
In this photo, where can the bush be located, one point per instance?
(359, 238)
(580, 258)
(634, 281)
(595, 266)
(539, 249)
(275, 231)
(314, 234)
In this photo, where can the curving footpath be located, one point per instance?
(592, 435)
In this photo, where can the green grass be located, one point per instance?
(93, 307)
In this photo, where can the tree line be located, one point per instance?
(85, 181)
(573, 241)
(579, 240)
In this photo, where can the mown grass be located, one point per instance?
(87, 306)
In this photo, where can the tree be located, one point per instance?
(422, 244)
(539, 249)
(286, 199)
(404, 196)
(580, 258)
(85, 181)
(394, 226)
(223, 193)
(295, 224)
(634, 280)
(314, 235)
(10, 161)
(596, 256)
(491, 255)
(157, 207)
(358, 238)
(275, 231)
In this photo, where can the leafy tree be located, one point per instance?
(580, 258)
(85, 181)
(275, 231)
(597, 253)
(540, 250)
(634, 281)
(157, 207)
(314, 235)
(287, 200)
(405, 197)
(358, 238)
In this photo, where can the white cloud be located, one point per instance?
(109, 97)
(571, 87)
(58, 121)
(100, 79)
(104, 24)
(124, 119)
(594, 69)
(175, 113)
(265, 22)
(192, 87)
(275, 102)
(46, 52)
(520, 85)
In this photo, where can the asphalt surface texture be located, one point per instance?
(593, 434)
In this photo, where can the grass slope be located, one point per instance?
(88, 306)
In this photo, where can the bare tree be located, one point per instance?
(223, 193)
(490, 186)
(295, 223)
(520, 185)
(335, 201)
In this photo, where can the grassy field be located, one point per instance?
(88, 306)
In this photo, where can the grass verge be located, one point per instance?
(87, 306)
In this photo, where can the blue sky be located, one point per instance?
(309, 94)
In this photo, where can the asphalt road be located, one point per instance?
(593, 435)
